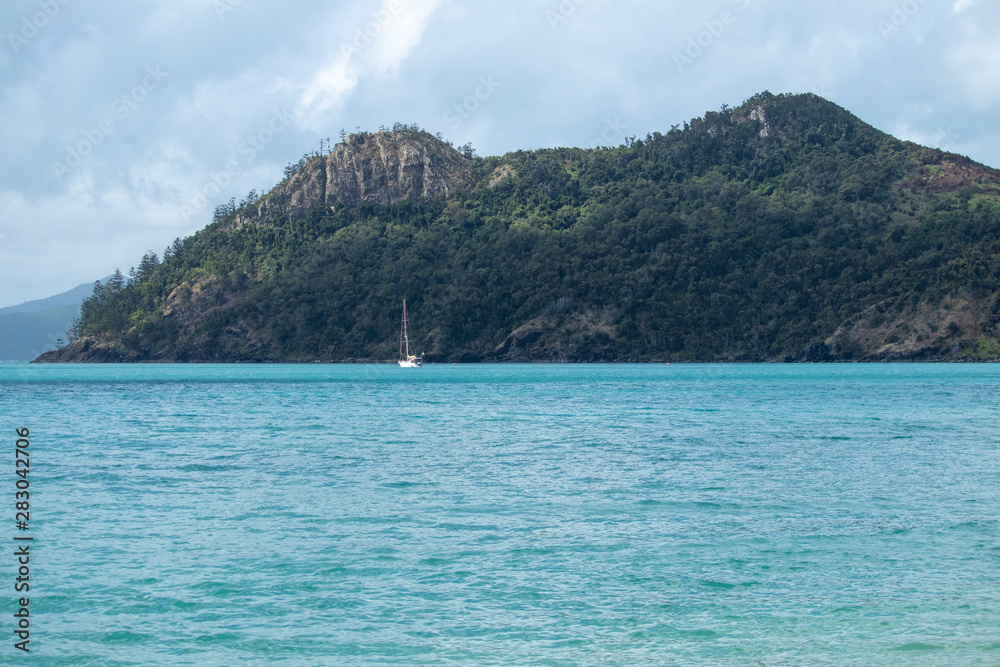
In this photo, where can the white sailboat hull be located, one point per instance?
(407, 360)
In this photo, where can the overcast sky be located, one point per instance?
(123, 124)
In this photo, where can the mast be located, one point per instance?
(406, 338)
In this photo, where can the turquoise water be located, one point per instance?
(509, 515)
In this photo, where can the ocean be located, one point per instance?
(505, 514)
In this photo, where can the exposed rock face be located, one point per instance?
(502, 172)
(767, 128)
(944, 172)
(383, 168)
(897, 330)
(760, 115)
(586, 336)
(87, 351)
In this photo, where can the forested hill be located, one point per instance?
(784, 229)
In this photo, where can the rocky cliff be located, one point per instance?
(382, 168)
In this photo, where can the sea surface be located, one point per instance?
(506, 514)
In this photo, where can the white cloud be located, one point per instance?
(944, 138)
(377, 46)
(328, 88)
(974, 65)
(96, 233)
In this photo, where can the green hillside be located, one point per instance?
(784, 229)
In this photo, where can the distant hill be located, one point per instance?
(31, 328)
(783, 229)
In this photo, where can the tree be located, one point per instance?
(223, 211)
(117, 282)
(249, 200)
(97, 295)
(147, 266)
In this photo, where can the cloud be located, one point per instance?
(975, 64)
(328, 88)
(89, 242)
(377, 46)
(944, 138)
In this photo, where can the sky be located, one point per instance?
(123, 124)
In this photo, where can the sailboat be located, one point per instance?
(407, 360)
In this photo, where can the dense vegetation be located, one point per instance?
(750, 234)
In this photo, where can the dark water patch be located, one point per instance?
(685, 504)
(569, 643)
(917, 646)
(461, 527)
(496, 537)
(125, 637)
(702, 504)
(220, 637)
(532, 551)
(658, 631)
(380, 550)
(409, 485)
(373, 520)
(144, 582)
(436, 562)
(967, 525)
(201, 467)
